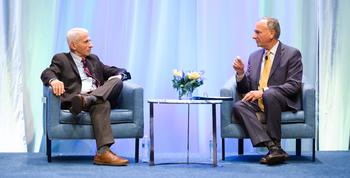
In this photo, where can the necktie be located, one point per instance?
(264, 77)
(88, 73)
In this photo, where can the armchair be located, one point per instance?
(126, 120)
(298, 125)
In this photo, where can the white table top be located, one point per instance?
(176, 101)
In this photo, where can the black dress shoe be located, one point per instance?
(263, 160)
(276, 156)
(278, 144)
(81, 102)
(285, 154)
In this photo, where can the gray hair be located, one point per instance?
(74, 34)
(274, 25)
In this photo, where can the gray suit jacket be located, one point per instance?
(64, 69)
(285, 76)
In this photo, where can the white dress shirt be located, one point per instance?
(87, 83)
(272, 57)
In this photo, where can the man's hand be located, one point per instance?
(57, 86)
(253, 95)
(238, 66)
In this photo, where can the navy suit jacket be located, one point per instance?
(285, 76)
(64, 69)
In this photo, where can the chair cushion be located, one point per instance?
(293, 117)
(117, 116)
(288, 117)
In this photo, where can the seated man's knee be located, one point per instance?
(120, 82)
(237, 106)
(115, 81)
(270, 95)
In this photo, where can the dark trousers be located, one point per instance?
(110, 91)
(274, 104)
(100, 112)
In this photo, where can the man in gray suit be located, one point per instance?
(271, 84)
(84, 83)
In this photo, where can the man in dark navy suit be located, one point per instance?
(83, 82)
(271, 84)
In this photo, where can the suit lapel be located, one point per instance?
(72, 64)
(91, 67)
(259, 65)
(277, 59)
(88, 62)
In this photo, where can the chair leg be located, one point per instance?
(298, 147)
(240, 146)
(223, 149)
(48, 149)
(137, 142)
(313, 149)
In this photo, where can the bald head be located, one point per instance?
(74, 35)
(79, 41)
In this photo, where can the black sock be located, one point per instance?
(277, 143)
(271, 145)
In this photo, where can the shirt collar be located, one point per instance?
(274, 48)
(76, 57)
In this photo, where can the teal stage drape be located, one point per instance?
(151, 38)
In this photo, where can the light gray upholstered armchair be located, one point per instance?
(126, 120)
(294, 125)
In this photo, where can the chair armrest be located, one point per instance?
(309, 102)
(228, 90)
(131, 98)
(52, 108)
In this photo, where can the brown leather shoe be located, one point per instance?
(81, 102)
(109, 158)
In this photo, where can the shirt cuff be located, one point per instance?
(52, 80)
(115, 76)
(239, 77)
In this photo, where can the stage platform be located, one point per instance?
(327, 164)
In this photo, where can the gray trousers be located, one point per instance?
(100, 112)
(274, 104)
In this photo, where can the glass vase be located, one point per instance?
(185, 95)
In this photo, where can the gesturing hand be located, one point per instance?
(253, 95)
(58, 87)
(238, 65)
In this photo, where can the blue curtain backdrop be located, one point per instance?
(151, 38)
